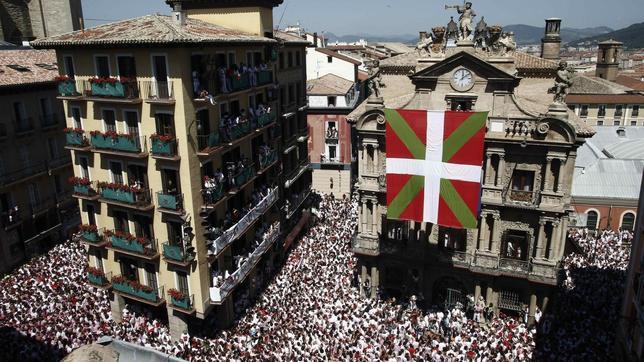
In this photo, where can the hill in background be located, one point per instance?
(632, 37)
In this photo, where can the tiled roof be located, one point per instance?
(584, 84)
(27, 66)
(605, 98)
(150, 30)
(328, 84)
(289, 38)
(631, 81)
(337, 55)
(525, 61)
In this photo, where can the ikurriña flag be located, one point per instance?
(434, 166)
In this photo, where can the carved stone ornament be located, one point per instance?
(380, 119)
(543, 128)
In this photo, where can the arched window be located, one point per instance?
(628, 221)
(591, 221)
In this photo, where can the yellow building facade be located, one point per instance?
(177, 134)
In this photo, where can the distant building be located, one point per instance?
(36, 208)
(323, 61)
(24, 20)
(331, 98)
(630, 331)
(613, 153)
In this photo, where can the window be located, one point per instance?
(460, 104)
(290, 59)
(109, 120)
(617, 122)
(174, 233)
(291, 93)
(68, 63)
(397, 230)
(452, 239)
(102, 64)
(332, 153)
(329, 59)
(54, 152)
(331, 101)
(281, 60)
(231, 59)
(182, 282)
(76, 117)
(515, 245)
(298, 58)
(151, 276)
(591, 219)
(34, 195)
(636, 111)
(522, 180)
(584, 111)
(628, 221)
(84, 166)
(126, 66)
(143, 227)
(91, 214)
(99, 260)
(129, 269)
(633, 123)
(165, 123)
(58, 185)
(19, 112)
(619, 110)
(601, 111)
(120, 221)
(600, 122)
(45, 107)
(116, 171)
(132, 122)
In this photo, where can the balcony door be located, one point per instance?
(109, 120)
(143, 226)
(132, 123)
(175, 236)
(165, 123)
(515, 245)
(121, 222)
(182, 282)
(160, 73)
(34, 195)
(126, 66)
(129, 269)
(151, 276)
(116, 171)
(137, 176)
(45, 107)
(170, 181)
(20, 114)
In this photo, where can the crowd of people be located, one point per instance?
(311, 310)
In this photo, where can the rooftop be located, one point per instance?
(149, 30)
(290, 38)
(607, 142)
(584, 84)
(27, 66)
(598, 180)
(335, 54)
(328, 84)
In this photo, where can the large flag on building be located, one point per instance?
(434, 163)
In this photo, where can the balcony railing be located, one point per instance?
(212, 195)
(331, 136)
(267, 159)
(295, 202)
(161, 148)
(49, 120)
(236, 131)
(243, 176)
(135, 197)
(92, 237)
(23, 173)
(139, 246)
(219, 294)
(176, 253)
(266, 119)
(186, 304)
(209, 141)
(24, 125)
(67, 88)
(119, 143)
(99, 280)
(514, 265)
(264, 77)
(76, 139)
(113, 90)
(238, 229)
(87, 191)
(157, 91)
(127, 288)
(172, 202)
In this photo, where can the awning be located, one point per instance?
(296, 230)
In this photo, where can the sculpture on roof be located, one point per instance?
(452, 29)
(432, 44)
(563, 82)
(480, 33)
(374, 83)
(424, 44)
(465, 19)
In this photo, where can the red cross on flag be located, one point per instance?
(434, 166)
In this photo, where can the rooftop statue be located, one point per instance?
(480, 34)
(563, 81)
(466, 19)
(452, 29)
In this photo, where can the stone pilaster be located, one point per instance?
(177, 323)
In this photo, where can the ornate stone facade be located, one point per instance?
(512, 259)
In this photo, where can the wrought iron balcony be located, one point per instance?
(121, 144)
(87, 192)
(128, 244)
(211, 196)
(67, 88)
(295, 202)
(99, 279)
(266, 119)
(75, 139)
(242, 178)
(185, 305)
(519, 198)
(171, 203)
(134, 197)
(94, 238)
(240, 228)
(176, 254)
(136, 291)
(219, 293)
(208, 143)
(267, 160)
(164, 149)
(112, 90)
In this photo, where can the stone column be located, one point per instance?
(532, 309)
(117, 303)
(363, 215)
(488, 168)
(375, 281)
(496, 233)
(483, 231)
(501, 171)
(555, 240)
(547, 184)
(541, 239)
(561, 174)
(477, 292)
(544, 305)
(376, 159)
(374, 217)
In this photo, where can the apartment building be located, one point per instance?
(188, 140)
(34, 199)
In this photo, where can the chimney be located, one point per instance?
(315, 39)
(608, 55)
(178, 15)
(551, 42)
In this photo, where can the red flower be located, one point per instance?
(62, 78)
(163, 137)
(95, 272)
(88, 228)
(79, 181)
(73, 130)
(176, 294)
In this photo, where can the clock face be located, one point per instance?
(462, 80)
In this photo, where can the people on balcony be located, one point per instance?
(332, 133)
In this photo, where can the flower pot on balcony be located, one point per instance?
(67, 88)
(82, 190)
(74, 139)
(151, 296)
(118, 143)
(89, 236)
(108, 89)
(181, 303)
(96, 279)
(124, 244)
(123, 287)
(172, 252)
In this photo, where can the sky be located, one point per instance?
(396, 17)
